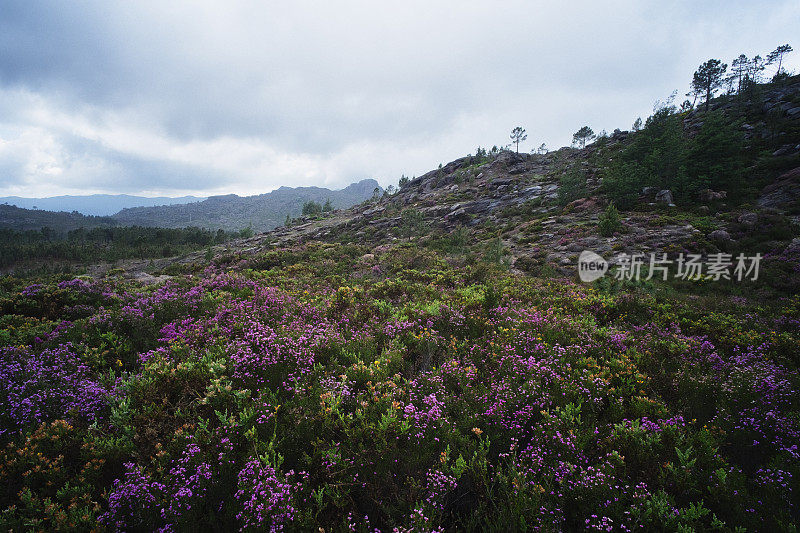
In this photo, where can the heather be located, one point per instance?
(349, 388)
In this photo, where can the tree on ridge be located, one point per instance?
(518, 135)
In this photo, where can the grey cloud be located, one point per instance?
(93, 166)
(311, 83)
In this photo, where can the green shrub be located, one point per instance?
(311, 208)
(572, 186)
(610, 221)
(412, 223)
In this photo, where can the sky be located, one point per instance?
(206, 97)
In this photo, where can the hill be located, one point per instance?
(726, 179)
(19, 219)
(94, 204)
(231, 212)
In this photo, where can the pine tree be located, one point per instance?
(518, 135)
(708, 79)
(582, 135)
(777, 55)
(739, 68)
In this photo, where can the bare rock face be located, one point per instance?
(512, 162)
(719, 235)
(785, 190)
(584, 204)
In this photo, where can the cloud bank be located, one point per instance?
(173, 98)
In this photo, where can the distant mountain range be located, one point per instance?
(230, 212)
(95, 204)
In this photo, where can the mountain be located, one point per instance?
(232, 212)
(95, 204)
(19, 219)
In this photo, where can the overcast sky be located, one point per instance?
(177, 97)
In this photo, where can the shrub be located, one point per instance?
(572, 186)
(412, 223)
(311, 208)
(610, 221)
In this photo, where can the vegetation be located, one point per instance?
(665, 156)
(518, 135)
(261, 212)
(777, 55)
(582, 136)
(708, 79)
(104, 244)
(709, 152)
(316, 387)
(412, 223)
(400, 373)
(19, 219)
(312, 208)
(572, 186)
(610, 221)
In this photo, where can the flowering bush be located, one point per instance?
(43, 386)
(266, 498)
(303, 389)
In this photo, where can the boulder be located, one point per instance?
(511, 162)
(457, 214)
(665, 197)
(497, 183)
(707, 195)
(786, 149)
(374, 210)
(719, 235)
(584, 204)
(794, 247)
(748, 219)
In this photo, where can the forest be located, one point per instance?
(46, 248)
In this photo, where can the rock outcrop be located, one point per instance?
(785, 191)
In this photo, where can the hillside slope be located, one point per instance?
(541, 211)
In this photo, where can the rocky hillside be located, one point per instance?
(231, 212)
(536, 213)
(515, 197)
(516, 206)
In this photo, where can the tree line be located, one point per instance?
(709, 78)
(714, 75)
(106, 244)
